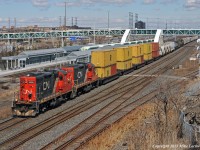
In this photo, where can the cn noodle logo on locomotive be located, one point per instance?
(46, 85)
(25, 91)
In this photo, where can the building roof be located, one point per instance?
(33, 53)
(79, 54)
(13, 57)
(72, 48)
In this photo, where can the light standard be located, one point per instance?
(94, 32)
(108, 27)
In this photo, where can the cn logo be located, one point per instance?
(46, 85)
(79, 75)
(24, 91)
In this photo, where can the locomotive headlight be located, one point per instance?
(16, 99)
(29, 96)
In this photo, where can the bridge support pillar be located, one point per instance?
(15, 63)
(6, 64)
(32, 42)
(62, 42)
(11, 65)
(9, 41)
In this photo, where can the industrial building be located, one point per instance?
(140, 25)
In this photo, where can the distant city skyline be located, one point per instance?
(94, 13)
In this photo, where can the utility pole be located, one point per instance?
(108, 27)
(94, 33)
(65, 20)
(75, 21)
(15, 22)
(147, 23)
(108, 19)
(72, 21)
(9, 23)
(60, 21)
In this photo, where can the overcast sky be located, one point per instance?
(156, 13)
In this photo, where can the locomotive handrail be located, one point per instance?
(75, 82)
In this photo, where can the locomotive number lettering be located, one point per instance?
(79, 75)
(46, 86)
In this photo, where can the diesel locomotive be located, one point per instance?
(43, 90)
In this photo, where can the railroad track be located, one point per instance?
(99, 121)
(192, 74)
(114, 87)
(80, 140)
(75, 138)
(48, 124)
(10, 123)
(93, 125)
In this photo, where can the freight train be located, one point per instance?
(40, 91)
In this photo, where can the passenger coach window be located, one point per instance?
(110, 57)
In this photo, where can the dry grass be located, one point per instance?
(140, 130)
(5, 112)
(6, 95)
(187, 67)
(114, 134)
(9, 92)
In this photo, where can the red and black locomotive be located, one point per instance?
(43, 90)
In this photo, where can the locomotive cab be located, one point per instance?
(65, 82)
(91, 72)
(34, 88)
(28, 89)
